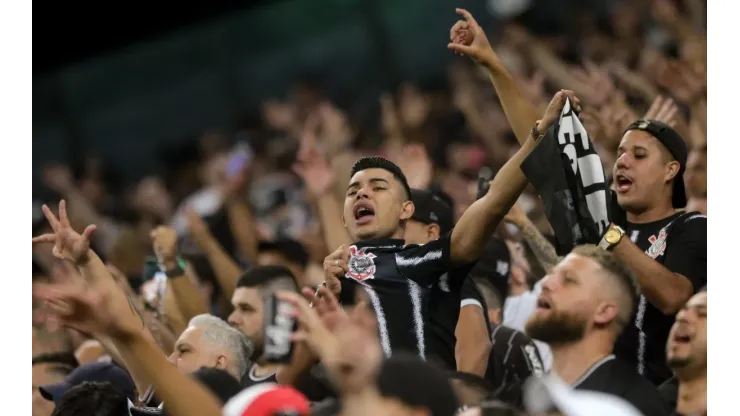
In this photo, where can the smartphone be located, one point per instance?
(240, 158)
(279, 326)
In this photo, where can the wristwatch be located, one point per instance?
(178, 270)
(611, 238)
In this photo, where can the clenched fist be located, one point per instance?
(164, 240)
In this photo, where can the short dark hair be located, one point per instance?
(482, 387)
(290, 249)
(263, 276)
(498, 408)
(92, 399)
(222, 384)
(621, 274)
(378, 162)
(417, 384)
(703, 289)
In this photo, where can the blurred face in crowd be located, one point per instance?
(42, 374)
(248, 314)
(375, 204)
(419, 233)
(696, 174)
(572, 302)
(193, 352)
(643, 172)
(687, 343)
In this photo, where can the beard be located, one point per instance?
(678, 363)
(557, 327)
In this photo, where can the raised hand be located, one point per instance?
(327, 306)
(683, 83)
(315, 170)
(552, 113)
(164, 241)
(311, 329)
(198, 228)
(415, 163)
(336, 265)
(594, 84)
(389, 119)
(235, 187)
(468, 38)
(663, 109)
(86, 307)
(68, 244)
(58, 178)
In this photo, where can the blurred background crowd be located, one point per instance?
(232, 130)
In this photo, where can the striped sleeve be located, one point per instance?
(425, 264)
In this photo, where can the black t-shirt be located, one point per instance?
(513, 359)
(445, 301)
(250, 379)
(397, 280)
(679, 243)
(669, 392)
(612, 376)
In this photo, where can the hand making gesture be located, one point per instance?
(468, 38)
(68, 244)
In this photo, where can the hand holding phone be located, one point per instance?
(279, 328)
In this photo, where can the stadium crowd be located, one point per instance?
(468, 250)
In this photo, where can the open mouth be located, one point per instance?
(543, 303)
(623, 183)
(364, 212)
(682, 338)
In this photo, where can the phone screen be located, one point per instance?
(279, 326)
(239, 159)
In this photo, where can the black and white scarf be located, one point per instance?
(569, 177)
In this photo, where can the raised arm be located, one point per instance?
(467, 38)
(543, 251)
(319, 179)
(241, 221)
(189, 301)
(480, 220)
(227, 270)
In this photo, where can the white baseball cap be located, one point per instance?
(545, 393)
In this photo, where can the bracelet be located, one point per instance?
(177, 271)
(535, 133)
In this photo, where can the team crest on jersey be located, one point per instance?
(657, 247)
(361, 265)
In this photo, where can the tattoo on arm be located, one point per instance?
(134, 309)
(542, 249)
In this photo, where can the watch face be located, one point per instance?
(612, 236)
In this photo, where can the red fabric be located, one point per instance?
(276, 400)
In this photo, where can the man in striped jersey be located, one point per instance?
(397, 278)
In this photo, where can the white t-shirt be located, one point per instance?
(517, 310)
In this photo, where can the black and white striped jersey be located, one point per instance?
(396, 280)
(679, 243)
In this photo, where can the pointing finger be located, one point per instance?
(468, 17)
